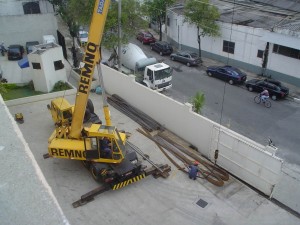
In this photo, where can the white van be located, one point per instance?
(48, 39)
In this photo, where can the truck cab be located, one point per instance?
(158, 76)
(148, 71)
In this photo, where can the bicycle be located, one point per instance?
(258, 100)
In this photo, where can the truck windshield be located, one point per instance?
(162, 74)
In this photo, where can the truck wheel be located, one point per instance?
(94, 173)
(172, 58)
(188, 64)
(230, 82)
(274, 97)
(250, 88)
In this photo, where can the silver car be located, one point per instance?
(188, 58)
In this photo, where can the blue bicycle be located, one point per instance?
(258, 100)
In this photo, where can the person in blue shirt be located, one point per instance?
(193, 171)
(105, 146)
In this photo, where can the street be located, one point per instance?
(233, 107)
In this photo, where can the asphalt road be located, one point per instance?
(233, 107)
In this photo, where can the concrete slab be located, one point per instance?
(25, 196)
(149, 201)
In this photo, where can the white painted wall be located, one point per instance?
(45, 78)
(15, 7)
(246, 159)
(241, 156)
(247, 43)
(282, 63)
(18, 28)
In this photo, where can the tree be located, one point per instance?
(156, 9)
(131, 20)
(204, 16)
(198, 102)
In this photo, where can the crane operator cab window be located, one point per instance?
(109, 148)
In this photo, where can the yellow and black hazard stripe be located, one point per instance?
(103, 172)
(129, 181)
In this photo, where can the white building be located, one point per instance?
(251, 33)
(47, 68)
(22, 21)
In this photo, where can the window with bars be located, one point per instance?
(286, 51)
(260, 53)
(31, 8)
(228, 46)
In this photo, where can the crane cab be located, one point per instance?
(61, 111)
(99, 143)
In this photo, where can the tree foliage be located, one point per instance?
(156, 10)
(198, 102)
(81, 12)
(204, 16)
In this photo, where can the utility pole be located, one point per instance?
(119, 35)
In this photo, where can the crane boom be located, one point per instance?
(91, 57)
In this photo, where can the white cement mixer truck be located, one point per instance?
(147, 71)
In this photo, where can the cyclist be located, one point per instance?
(264, 95)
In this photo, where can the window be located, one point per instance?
(168, 21)
(260, 54)
(31, 8)
(286, 51)
(58, 65)
(228, 47)
(36, 66)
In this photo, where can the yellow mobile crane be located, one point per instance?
(101, 148)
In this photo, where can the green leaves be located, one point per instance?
(198, 102)
(203, 15)
(81, 11)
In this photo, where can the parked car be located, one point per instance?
(188, 58)
(83, 37)
(162, 47)
(229, 74)
(275, 91)
(145, 37)
(29, 46)
(15, 52)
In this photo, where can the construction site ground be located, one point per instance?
(173, 201)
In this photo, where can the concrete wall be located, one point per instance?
(248, 160)
(21, 29)
(45, 78)
(18, 28)
(15, 7)
(247, 43)
(26, 197)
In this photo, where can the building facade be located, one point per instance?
(258, 39)
(24, 21)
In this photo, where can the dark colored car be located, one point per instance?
(29, 46)
(145, 37)
(188, 58)
(275, 91)
(15, 52)
(162, 47)
(229, 74)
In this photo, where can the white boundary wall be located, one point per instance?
(251, 162)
